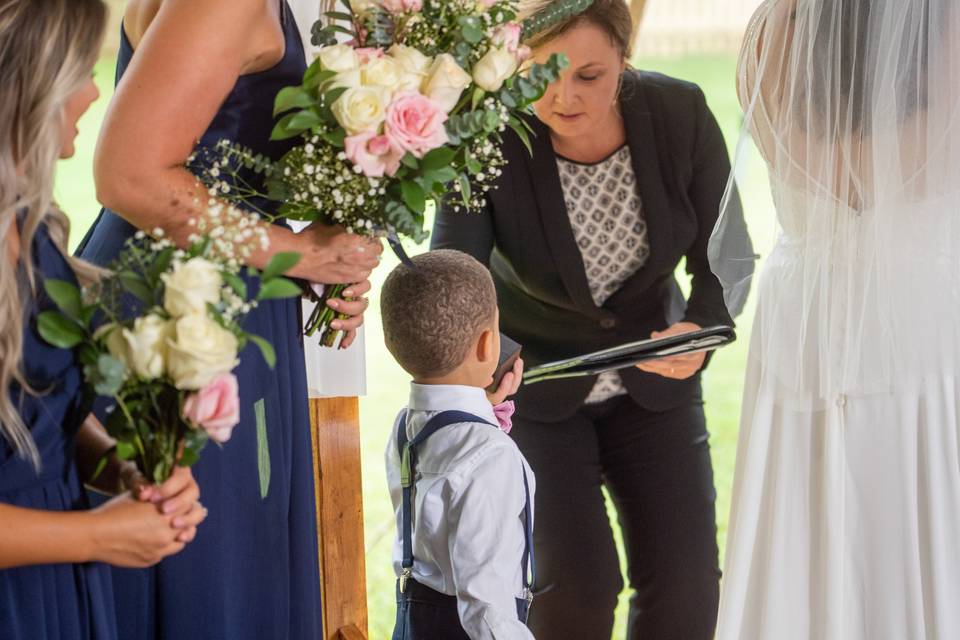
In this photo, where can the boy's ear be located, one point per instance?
(485, 347)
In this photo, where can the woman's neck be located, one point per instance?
(595, 145)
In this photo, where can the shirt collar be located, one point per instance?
(451, 397)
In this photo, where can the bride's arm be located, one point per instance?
(185, 66)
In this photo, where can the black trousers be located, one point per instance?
(657, 469)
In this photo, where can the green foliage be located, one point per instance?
(59, 330)
(555, 13)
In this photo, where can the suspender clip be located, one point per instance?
(404, 577)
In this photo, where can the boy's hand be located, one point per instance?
(509, 385)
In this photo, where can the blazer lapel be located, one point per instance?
(642, 140)
(545, 178)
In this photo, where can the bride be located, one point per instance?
(846, 510)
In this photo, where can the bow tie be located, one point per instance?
(504, 412)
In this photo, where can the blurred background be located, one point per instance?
(696, 40)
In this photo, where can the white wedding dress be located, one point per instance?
(845, 519)
(846, 516)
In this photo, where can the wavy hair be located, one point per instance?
(47, 51)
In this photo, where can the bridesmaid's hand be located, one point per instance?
(678, 367)
(508, 385)
(178, 498)
(129, 533)
(355, 305)
(335, 256)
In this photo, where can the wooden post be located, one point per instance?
(636, 12)
(335, 430)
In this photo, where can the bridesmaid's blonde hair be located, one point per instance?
(47, 50)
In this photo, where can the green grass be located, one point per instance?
(388, 385)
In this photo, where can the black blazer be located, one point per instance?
(524, 235)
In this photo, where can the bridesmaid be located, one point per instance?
(203, 71)
(52, 584)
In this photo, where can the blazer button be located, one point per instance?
(608, 323)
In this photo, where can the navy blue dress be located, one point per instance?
(252, 571)
(52, 601)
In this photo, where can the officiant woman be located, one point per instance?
(583, 238)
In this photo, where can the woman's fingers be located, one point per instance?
(192, 518)
(348, 339)
(355, 307)
(357, 290)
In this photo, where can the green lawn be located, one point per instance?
(388, 384)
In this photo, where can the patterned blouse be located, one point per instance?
(608, 224)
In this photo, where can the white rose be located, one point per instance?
(414, 66)
(494, 68)
(381, 72)
(199, 351)
(361, 109)
(191, 286)
(445, 82)
(346, 79)
(146, 346)
(338, 57)
(410, 59)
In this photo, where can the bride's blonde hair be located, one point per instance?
(47, 51)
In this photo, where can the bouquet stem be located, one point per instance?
(323, 315)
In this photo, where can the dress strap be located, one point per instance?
(408, 468)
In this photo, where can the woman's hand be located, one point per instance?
(354, 305)
(129, 533)
(508, 385)
(678, 367)
(334, 256)
(178, 498)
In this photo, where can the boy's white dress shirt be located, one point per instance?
(468, 537)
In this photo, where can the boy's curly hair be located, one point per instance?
(432, 314)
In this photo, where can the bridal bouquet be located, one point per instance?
(409, 111)
(169, 336)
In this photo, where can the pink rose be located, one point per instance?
(507, 35)
(215, 408)
(415, 123)
(402, 6)
(366, 54)
(376, 155)
(486, 4)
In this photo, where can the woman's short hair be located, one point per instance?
(612, 16)
(434, 312)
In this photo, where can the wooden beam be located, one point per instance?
(336, 452)
(636, 12)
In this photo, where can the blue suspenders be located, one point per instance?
(408, 469)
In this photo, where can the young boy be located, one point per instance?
(462, 491)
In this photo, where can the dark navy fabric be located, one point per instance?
(252, 571)
(424, 613)
(52, 601)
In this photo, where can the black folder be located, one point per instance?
(631, 354)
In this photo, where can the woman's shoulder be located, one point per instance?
(660, 90)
